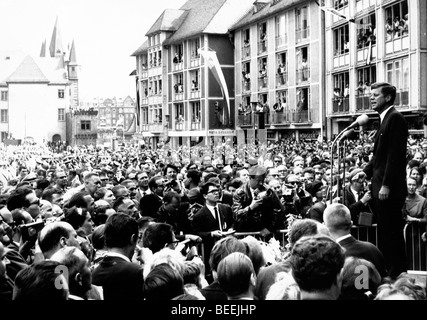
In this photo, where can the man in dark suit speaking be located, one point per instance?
(387, 172)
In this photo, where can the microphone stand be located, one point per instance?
(336, 141)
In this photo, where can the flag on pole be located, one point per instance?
(213, 64)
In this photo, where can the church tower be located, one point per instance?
(73, 78)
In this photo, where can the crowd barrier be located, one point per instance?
(415, 246)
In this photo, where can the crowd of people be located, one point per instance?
(144, 224)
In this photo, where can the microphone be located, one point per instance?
(360, 121)
(347, 134)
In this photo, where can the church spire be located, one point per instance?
(72, 57)
(43, 49)
(55, 47)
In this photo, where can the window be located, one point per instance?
(4, 96)
(397, 21)
(341, 93)
(302, 27)
(61, 93)
(262, 37)
(85, 124)
(341, 40)
(4, 116)
(144, 115)
(397, 73)
(246, 50)
(195, 46)
(303, 64)
(339, 4)
(179, 111)
(4, 136)
(61, 114)
(366, 31)
(282, 69)
(281, 34)
(196, 111)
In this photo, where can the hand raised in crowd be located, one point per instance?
(366, 197)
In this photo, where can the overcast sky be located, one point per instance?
(105, 32)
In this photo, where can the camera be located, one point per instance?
(30, 231)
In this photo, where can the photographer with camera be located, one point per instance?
(256, 207)
(297, 200)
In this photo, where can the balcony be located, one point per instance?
(156, 127)
(246, 52)
(263, 83)
(281, 40)
(282, 79)
(367, 53)
(302, 34)
(301, 117)
(402, 98)
(178, 66)
(195, 94)
(244, 120)
(398, 43)
(144, 101)
(262, 46)
(196, 125)
(363, 102)
(179, 96)
(267, 118)
(303, 75)
(280, 118)
(145, 127)
(195, 61)
(246, 85)
(341, 105)
(179, 125)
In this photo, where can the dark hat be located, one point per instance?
(257, 170)
(314, 187)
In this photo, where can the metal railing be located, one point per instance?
(341, 105)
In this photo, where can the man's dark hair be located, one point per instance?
(301, 228)
(169, 165)
(222, 248)
(386, 89)
(17, 198)
(50, 237)
(42, 184)
(119, 229)
(118, 202)
(152, 184)
(195, 176)
(157, 235)
(167, 198)
(316, 262)
(75, 216)
(204, 188)
(78, 200)
(163, 283)
(39, 282)
(48, 193)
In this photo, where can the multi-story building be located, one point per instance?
(278, 64)
(379, 41)
(82, 128)
(183, 94)
(37, 90)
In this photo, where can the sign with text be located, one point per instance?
(220, 132)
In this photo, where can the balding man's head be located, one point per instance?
(337, 218)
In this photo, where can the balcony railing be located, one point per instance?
(280, 118)
(246, 52)
(196, 125)
(195, 61)
(341, 105)
(244, 120)
(179, 125)
(262, 46)
(281, 40)
(302, 34)
(301, 116)
(303, 75)
(179, 96)
(156, 127)
(282, 79)
(195, 94)
(246, 85)
(363, 102)
(263, 83)
(402, 98)
(145, 127)
(178, 66)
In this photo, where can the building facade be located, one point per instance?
(279, 87)
(185, 74)
(37, 90)
(385, 42)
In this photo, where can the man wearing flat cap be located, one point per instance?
(356, 195)
(257, 207)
